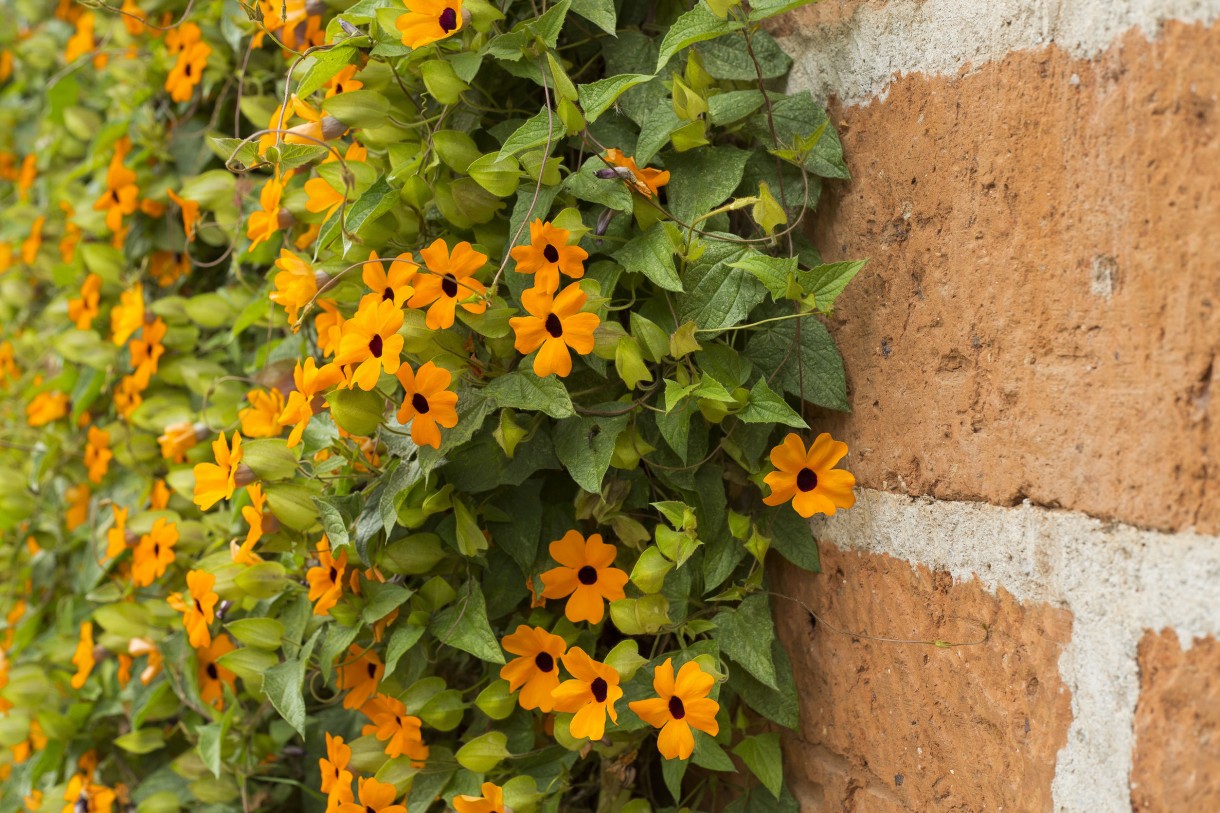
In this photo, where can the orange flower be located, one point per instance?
(33, 244)
(46, 407)
(217, 481)
(398, 730)
(310, 381)
(427, 402)
(681, 704)
(9, 371)
(586, 573)
(154, 553)
(158, 496)
(181, 37)
(375, 797)
(127, 396)
(394, 286)
(128, 316)
(98, 454)
(200, 611)
(84, 310)
(334, 767)
(326, 579)
(450, 282)
(133, 18)
(647, 182)
(180, 437)
(342, 82)
(492, 800)
(116, 537)
(147, 350)
(554, 325)
(266, 221)
(77, 498)
(80, 43)
(83, 657)
(548, 255)
(121, 197)
(329, 326)
(190, 213)
(810, 479)
(166, 267)
(187, 72)
(27, 175)
(71, 237)
(370, 340)
(359, 676)
(428, 21)
(322, 197)
(591, 694)
(295, 285)
(212, 676)
(253, 515)
(261, 418)
(536, 672)
(35, 741)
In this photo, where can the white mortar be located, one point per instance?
(858, 58)
(1118, 581)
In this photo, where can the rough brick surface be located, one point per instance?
(911, 728)
(1040, 317)
(1177, 726)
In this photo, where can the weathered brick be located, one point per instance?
(909, 727)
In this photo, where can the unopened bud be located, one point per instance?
(603, 223)
(244, 475)
(284, 219)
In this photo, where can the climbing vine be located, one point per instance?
(405, 401)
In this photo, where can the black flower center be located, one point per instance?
(449, 286)
(156, 549)
(598, 687)
(369, 809)
(806, 480)
(544, 662)
(388, 293)
(375, 346)
(554, 326)
(448, 20)
(198, 607)
(551, 253)
(188, 70)
(334, 574)
(213, 673)
(114, 195)
(420, 403)
(676, 709)
(587, 575)
(372, 670)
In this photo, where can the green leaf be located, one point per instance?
(703, 179)
(746, 635)
(767, 406)
(401, 640)
(825, 282)
(585, 445)
(774, 272)
(282, 686)
(719, 295)
(144, 741)
(599, 12)
(532, 134)
(765, 10)
(609, 192)
(728, 58)
(292, 156)
(652, 254)
(484, 752)
(660, 123)
(815, 367)
(761, 754)
(463, 625)
(548, 26)
(796, 119)
(358, 108)
(323, 66)
(334, 522)
(210, 738)
(470, 539)
(524, 390)
(768, 212)
(499, 176)
(376, 201)
(597, 97)
(672, 771)
(382, 599)
(696, 25)
(726, 108)
(261, 633)
(792, 537)
(708, 754)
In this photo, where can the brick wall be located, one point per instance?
(1030, 357)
